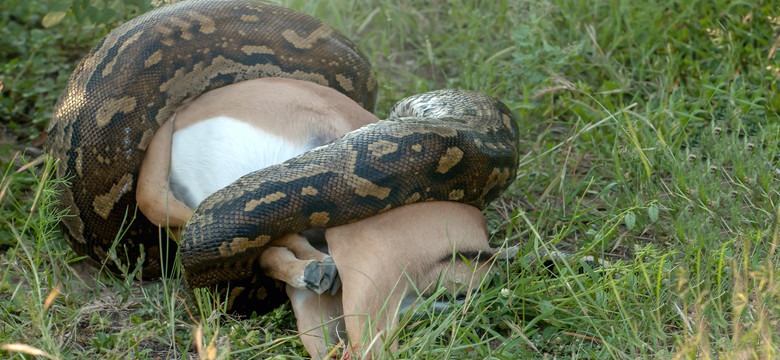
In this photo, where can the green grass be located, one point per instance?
(649, 133)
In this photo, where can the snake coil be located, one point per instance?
(447, 145)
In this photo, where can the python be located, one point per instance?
(446, 145)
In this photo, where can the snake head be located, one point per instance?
(466, 105)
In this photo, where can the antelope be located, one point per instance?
(234, 130)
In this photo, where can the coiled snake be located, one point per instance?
(447, 145)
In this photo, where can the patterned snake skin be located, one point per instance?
(447, 145)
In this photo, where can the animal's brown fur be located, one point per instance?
(379, 259)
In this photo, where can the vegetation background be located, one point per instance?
(650, 143)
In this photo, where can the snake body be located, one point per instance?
(447, 145)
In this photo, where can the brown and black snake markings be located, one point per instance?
(452, 145)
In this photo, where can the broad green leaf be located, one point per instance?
(652, 212)
(630, 220)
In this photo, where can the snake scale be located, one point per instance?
(446, 145)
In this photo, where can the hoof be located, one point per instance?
(321, 277)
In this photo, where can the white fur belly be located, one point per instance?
(212, 154)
